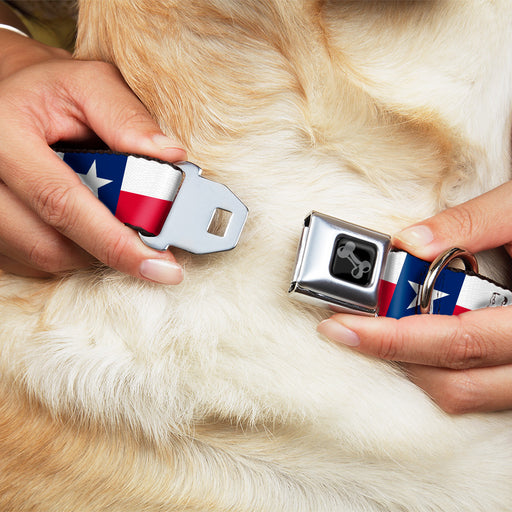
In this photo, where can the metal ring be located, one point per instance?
(427, 289)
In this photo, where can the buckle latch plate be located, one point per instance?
(187, 224)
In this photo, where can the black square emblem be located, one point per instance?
(353, 260)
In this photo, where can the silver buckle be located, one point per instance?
(192, 212)
(339, 265)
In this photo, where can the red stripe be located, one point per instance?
(457, 310)
(386, 291)
(148, 213)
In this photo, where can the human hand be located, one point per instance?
(50, 222)
(463, 362)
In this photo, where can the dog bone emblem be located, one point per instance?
(346, 252)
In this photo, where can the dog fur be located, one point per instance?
(218, 394)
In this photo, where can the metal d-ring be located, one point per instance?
(427, 289)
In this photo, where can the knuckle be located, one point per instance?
(116, 251)
(52, 205)
(133, 117)
(105, 67)
(460, 394)
(44, 258)
(98, 69)
(385, 348)
(464, 349)
(389, 345)
(462, 220)
(79, 83)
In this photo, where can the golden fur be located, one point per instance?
(218, 394)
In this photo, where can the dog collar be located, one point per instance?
(351, 269)
(168, 204)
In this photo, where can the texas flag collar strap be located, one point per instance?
(169, 204)
(452, 291)
(352, 269)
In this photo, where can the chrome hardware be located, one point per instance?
(192, 211)
(339, 265)
(435, 269)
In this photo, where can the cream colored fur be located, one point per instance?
(218, 394)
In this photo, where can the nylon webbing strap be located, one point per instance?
(137, 190)
(455, 291)
(169, 204)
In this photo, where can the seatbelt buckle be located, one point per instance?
(351, 269)
(339, 265)
(189, 220)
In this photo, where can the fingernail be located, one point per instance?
(161, 271)
(338, 333)
(164, 142)
(415, 236)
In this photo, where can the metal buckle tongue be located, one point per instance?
(192, 212)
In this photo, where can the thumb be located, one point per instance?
(119, 118)
(479, 224)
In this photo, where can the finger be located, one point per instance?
(56, 194)
(477, 225)
(27, 240)
(52, 190)
(472, 339)
(463, 391)
(68, 105)
(15, 267)
(116, 115)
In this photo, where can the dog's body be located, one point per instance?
(218, 394)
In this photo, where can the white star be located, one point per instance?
(416, 287)
(92, 181)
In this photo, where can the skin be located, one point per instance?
(50, 222)
(463, 362)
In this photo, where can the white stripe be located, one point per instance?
(394, 265)
(151, 178)
(477, 293)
